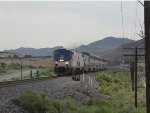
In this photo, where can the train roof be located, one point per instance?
(62, 49)
(84, 53)
(92, 55)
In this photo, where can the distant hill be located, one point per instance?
(35, 52)
(8, 54)
(106, 44)
(117, 54)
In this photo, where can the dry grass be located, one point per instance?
(36, 62)
(9, 54)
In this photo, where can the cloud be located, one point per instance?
(30, 25)
(46, 28)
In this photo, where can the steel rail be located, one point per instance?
(20, 82)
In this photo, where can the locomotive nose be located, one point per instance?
(62, 64)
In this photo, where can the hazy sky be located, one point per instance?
(69, 24)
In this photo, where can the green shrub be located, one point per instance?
(106, 90)
(106, 77)
(2, 70)
(32, 102)
(105, 109)
(39, 103)
(47, 72)
(15, 78)
(83, 109)
(29, 66)
(116, 80)
(14, 66)
(3, 64)
(118, 86)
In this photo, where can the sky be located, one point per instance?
(39, 24)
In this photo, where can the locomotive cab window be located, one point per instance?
(62, 55)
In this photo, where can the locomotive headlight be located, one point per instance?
(61, 60)
(67, 63)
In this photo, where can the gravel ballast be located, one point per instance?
(58, 88)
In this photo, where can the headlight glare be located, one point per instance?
(67, 62)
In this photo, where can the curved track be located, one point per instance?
(20, 82)
(75, 77)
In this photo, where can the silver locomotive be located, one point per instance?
(69, 62)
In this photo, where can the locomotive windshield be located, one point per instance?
(62, 55)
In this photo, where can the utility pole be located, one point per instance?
(135, 77)
(135, 70)
(132, 73)
(21, 68)
(147, 51)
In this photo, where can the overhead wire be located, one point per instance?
(123, 30)
(142, 29)
(122, 20)
(135, 20)
(141, 3)
(123, 33)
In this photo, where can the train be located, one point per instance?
(69, 62)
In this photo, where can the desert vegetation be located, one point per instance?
(31, 63)
(47, 72)
(10, 69)
(117, 86)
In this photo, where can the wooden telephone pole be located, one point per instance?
(132, 73)
(134, 80)
(147, 51)
(136, 77)
(21, 67)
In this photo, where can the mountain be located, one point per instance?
(108, 43)
(35, 52)
(117, 54)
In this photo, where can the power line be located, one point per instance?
(135, 20)
(122, 20)
(141, 32)
(141, 3)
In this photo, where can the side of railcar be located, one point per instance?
(86, 61)
(77, 62)
(73, 62)
(92, 63)
(97, 63)
(105, 63)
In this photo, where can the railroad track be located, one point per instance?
(25, 81)
(20, 82)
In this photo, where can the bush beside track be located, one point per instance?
(117, 85)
